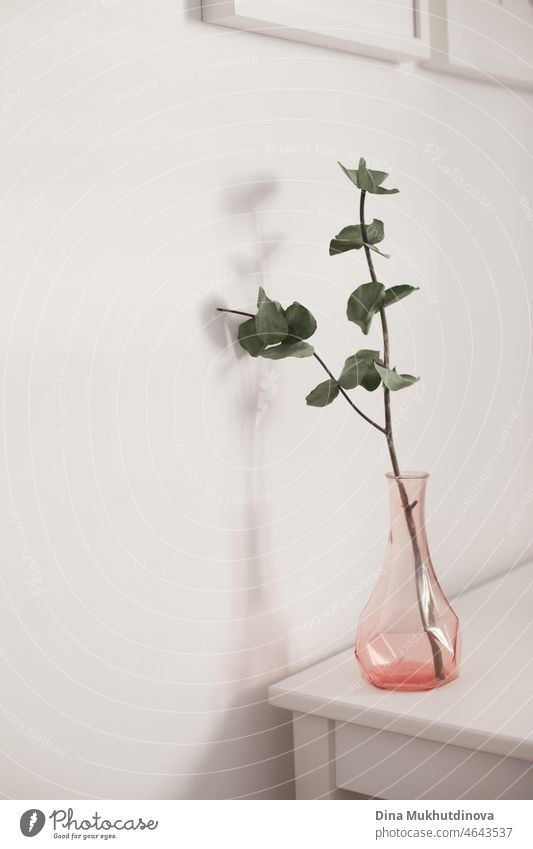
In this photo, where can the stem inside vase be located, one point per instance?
(427, 618)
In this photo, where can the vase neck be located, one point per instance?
(408, 491)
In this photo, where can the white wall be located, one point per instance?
(153, 168)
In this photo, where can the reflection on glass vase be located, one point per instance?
(408, 634)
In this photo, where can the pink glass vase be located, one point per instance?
(408, 634)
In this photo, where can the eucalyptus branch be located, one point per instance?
(345, 394)
(386, 347)
(276, 333)
(426, 617)
(326, 369)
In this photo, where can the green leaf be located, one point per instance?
(302, 323)
(370, 181)
(289, 348)
(377, 177)
(359, 370)
(396, 293)
(367, 180)
(271, 324)
(356, 367)
(371, 380)
(393, 380)
(363, 303)
(375, 232)
(350, 173)
(248, 338)
(262, 297)
(351, 237)
(323, 394)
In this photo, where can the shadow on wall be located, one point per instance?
(250, 752)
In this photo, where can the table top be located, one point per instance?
(488, 708)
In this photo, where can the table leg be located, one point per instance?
(314, 757)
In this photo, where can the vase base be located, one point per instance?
(407, 675)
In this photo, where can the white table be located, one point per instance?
(471, 739)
